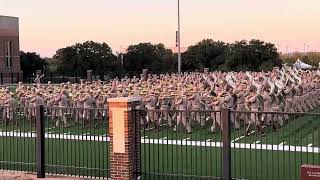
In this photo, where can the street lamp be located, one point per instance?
(178, 40)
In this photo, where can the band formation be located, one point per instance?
(280, 90)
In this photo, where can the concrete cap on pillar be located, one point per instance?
(125, 99)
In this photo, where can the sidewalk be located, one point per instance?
(4, 175)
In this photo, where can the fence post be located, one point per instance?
(145, 74)
(63, 77)
(18, 77)
(102, 76)
(11, 77)
(123, 157)
(51, 79)
(40, 141)
(76, 77)
(89, 75)
(226, 148)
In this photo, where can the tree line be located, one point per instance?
(253, 55)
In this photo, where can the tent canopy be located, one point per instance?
(302, 65)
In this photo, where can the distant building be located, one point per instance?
(10, 69)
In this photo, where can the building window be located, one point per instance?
(8, 54)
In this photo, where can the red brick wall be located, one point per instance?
(9, 31)
(16, 55)
(123, 164)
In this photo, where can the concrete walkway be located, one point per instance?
(4, 175)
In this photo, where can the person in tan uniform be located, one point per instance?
(9, 109)
(195, 105)
(216, 105)
(88, 104)
(240, 103)
(267, 106)
(63, 103)
(164, 101)
(252, 103)
(151, 102)
(182, 104)
(229, 102)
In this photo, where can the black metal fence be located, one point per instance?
(11, 78)
(226, 144)
(170, 144)
(273, 145)
(77, 142)
(56, 78)
(55, 140)
(17, 140)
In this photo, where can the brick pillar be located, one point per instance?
(122, 138)
(145, 74)
(89, 75)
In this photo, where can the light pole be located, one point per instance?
(178, 40)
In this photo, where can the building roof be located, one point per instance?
(8, 16)
(9, 26)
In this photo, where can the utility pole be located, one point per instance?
(178, 40)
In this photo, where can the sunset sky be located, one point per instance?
(46, 25)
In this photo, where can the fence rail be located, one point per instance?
(73, 77)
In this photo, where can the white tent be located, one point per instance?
(301, 65)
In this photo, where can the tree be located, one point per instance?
(31, 62)
(148, 56)
(205, 54)
(253, 56)
(52, 65)
(88, 55)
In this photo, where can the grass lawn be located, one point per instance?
(71, 157)
(246, 164)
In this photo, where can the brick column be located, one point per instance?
(89, 75)
(122, 138)
(145, 73)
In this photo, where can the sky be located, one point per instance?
(47, 25)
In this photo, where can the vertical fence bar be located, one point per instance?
(11, 77)
(18, 77)
(51, 77)
(1, 78)
(40, 142)
(63, 77)
(76, 77)
(226, 139)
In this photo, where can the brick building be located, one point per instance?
(10, 70)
